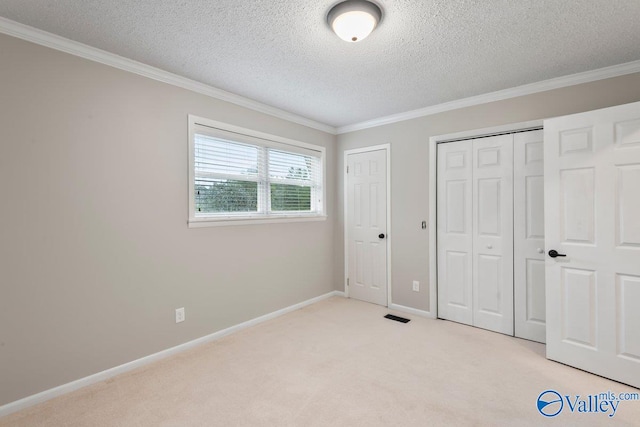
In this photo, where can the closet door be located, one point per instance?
(454, 231)
(529, 257)
(493, 233)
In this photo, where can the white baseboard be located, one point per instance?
(18, 405)
(421, 313)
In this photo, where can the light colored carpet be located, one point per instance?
(338, 363)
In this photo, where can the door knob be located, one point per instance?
(489, 246)
(381, 235)
(553, 253)
(540, 251)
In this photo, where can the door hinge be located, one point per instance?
(347, 282)
(347, 169)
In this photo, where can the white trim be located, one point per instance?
(197, 120)
(528, 89)
(345, 220)
(387, 148)
(490, 131)
(421, 313)
(433, 174)
(207, 222)
(110, 373)
(432, 228)
(43, 38)
(389, 234)
(368, 149)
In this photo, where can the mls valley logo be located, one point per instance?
(551, 403)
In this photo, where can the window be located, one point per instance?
(238, 175)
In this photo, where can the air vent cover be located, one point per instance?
(397, 318)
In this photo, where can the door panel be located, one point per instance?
(534, 294)
(489, 283)
(591, 215)
(579, 306)
(489, 207)
(366, 219)
(628, 206)
(456, 194)
(577, 200)
(455, 249)
(627, 292)
(493, 233)
(528, 239)
(576, 141)
(457, 274)
(534, 204)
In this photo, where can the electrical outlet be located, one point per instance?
(416, 286)
(179, 314)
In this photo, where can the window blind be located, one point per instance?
(293, 182)
(226, 176)
(241, 176)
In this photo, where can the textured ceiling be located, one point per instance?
(282, 53)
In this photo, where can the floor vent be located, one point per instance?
(397, 318)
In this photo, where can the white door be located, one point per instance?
(528, 235)
(475, 232)
(592, 215)
(493, 233)
(454, 231)
(367, 226)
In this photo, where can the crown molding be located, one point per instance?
(34, 35)
(528, 89)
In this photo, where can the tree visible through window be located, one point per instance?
(291, 197)
(226, 176)
(226, 196)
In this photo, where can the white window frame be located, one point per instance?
(268, 140)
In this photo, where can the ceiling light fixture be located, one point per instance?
(354, 20)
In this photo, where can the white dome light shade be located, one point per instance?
(354, 20)
(354, 26)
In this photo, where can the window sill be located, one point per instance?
(226, 221)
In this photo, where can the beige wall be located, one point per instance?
(95, 253)
(410, 158)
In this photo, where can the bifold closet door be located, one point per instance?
(528, 242)
(454, 231)
(493, 233)
(475, 232)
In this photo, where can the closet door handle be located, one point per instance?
(381, 235)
